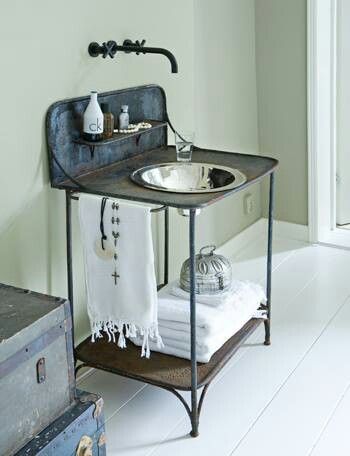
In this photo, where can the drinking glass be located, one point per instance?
(184, 146)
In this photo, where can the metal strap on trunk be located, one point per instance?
(34, 347)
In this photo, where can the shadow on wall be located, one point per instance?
(24, 241)
(24, 251)
(57, 269)
(33, 244)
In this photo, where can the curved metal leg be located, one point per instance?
(184, 403)
(269, 261)
(204, 392)
(178, 395)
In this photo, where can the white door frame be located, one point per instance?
(322, 137)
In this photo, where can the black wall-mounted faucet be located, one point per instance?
(110, 48)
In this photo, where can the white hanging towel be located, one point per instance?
(120, 279)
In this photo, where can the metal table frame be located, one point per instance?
(195, 408)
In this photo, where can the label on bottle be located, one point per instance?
(123, 121)
(93, 125)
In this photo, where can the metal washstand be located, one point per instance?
(105, 171)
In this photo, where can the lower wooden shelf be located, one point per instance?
(161, 370)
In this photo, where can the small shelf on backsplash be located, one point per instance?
(119, 136)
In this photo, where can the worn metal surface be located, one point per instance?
(64, 126)
(85, 446)
(161, 370)
(267, 322)
(33, 327)
(193, 318)
(64, 435)
(134, 137)
(41, 370)
(97, 400)
(27, 351)
(19, 309)
(69, 258)
(114, 180)
(166, 246)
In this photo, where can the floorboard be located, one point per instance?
(334, 438)
(296, 390)
(250, 385)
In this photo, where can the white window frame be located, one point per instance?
(322, 132)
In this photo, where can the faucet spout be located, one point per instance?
(110, 48)
(139, 48)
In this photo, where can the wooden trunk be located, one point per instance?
(36, 364)
(79, 431)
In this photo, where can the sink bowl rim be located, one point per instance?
(136, 176)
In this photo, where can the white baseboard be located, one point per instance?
(243, 239)
(290, 230)
(259, 228)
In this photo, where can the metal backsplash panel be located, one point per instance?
(64, 126)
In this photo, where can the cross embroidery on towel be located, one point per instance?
(115, 221)
(116, 276)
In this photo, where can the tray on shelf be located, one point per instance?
(121, 136)
(162, 370)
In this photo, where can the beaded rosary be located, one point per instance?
(115, 233)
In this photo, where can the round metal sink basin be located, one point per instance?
(188, 177)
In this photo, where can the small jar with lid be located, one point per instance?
(124, 118)
(213, 272)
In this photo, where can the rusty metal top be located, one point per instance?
(114, 180)
(108, 171)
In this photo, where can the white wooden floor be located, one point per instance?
(290, 399)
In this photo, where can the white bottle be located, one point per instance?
(93, 119)
(124, 118)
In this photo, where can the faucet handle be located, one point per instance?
(140, 45)
(106, 49)
(109, 48)
(135, 44)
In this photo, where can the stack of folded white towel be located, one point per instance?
(219, 317)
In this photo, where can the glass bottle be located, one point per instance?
(93, 119)
(108, 121)
(124, 118)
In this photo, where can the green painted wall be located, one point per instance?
(225, 109)
(282, 101)
(44, 59)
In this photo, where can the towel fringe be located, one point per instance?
(127, 331)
